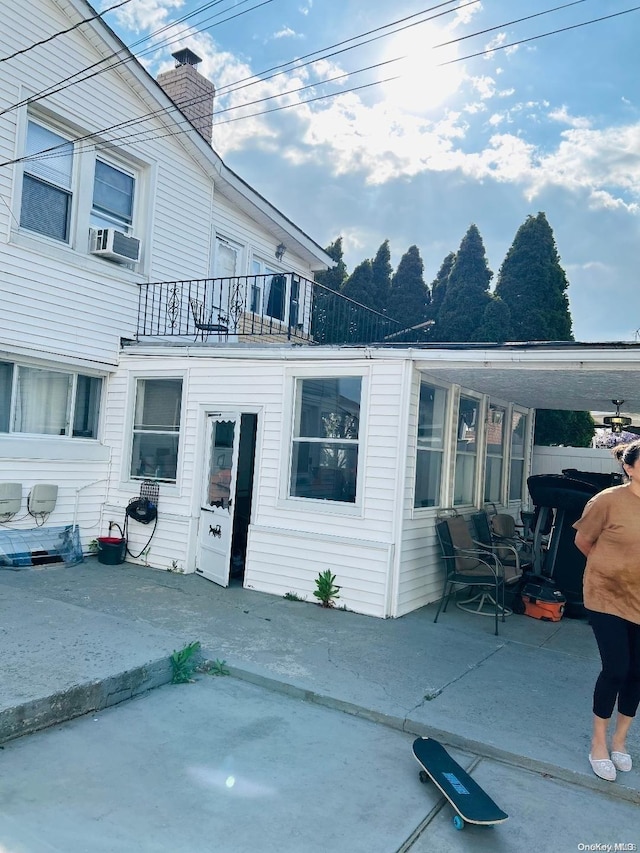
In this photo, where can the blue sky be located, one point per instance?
(552, 124)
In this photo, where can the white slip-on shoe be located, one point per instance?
(622, 761)
(604, 768)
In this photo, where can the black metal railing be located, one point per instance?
(282, 306)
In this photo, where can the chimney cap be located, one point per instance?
(186, 57)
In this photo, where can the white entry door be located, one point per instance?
(218, 497)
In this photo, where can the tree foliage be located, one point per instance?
(533, 284)
(381, 272)
(359, 284)
(439, 285)
(334, 277)
(567, 429)
(409, 295)
(467, 292)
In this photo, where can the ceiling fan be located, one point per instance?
(618, 423)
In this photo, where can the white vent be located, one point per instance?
(113, 244)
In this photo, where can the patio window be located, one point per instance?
(324, 458)
(156, 429)
(518, 432)
(495, 436)
(466, 452)
(430, 445)
(48, 402)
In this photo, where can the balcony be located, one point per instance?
(280, 308)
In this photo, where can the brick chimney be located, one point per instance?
(190, 91)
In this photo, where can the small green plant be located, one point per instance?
(184, 663)
(326, 590)
(93, 546)
(175, 567)
(292, 596)
(219, 667)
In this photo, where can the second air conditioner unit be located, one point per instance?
(113, 244)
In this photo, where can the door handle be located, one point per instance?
(215, 531)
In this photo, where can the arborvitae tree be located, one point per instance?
(467, 292)
(381, 272)
(359, 284)
(335, 277)
(439, 286)
(533, 285)
(409, 295)
(569, 429)
(496, 322)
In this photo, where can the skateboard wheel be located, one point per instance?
(423, 776)
(458, 822)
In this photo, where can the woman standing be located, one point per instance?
(608, 534)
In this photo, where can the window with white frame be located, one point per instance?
(113, 197)
(268, 291)
(466, 451)
(495, 438)
(156, 429)
(39, 401)
(324, 457)
(518, 434)
(432, 409)
(46, 183)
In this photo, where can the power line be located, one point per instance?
(50, 151)
(542, 35)
(63, 32)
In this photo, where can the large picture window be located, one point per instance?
(496, 422)
(48, 402)
(46, 183)
(518, 432)
(324, 459)
(466, 452)
(432, 410)
(156, 429)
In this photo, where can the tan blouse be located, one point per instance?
(611, 521)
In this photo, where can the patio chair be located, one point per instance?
(205, 324)
(468, 565)
(498, 534)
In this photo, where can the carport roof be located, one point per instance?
(541, 375)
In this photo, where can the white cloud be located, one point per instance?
(286, 32)
(145, 15)
(562, 116)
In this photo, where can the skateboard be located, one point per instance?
(471, 802)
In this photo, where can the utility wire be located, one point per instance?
(542, 35)
(50, 151)
(63, 32)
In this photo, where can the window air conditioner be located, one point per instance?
(113, 244)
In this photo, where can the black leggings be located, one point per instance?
(619, 644)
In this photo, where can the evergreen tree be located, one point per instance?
(381, 272)
(359, 284)
(533, 285)
(467, 292)
(335, 277)
(409, 295)
(439, 286)
(496, 322)
(567, 429)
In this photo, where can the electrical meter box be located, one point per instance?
(42, 498)
(10, 499)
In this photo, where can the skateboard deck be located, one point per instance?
(471, 802)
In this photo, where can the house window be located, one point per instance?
(268, 291)
(48, 402)
(516, 478)
(156, 429)
(466, 452)
(495, 454)
(46, 183)
(432, 410)
(324, 461)
(113, 192)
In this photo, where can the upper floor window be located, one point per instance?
(466, 451)
(48, 402)
(430, 449)
(495, 437)
(324, 459)
(113, 191)
(268, 290)
(46, 183)
(156, 429)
